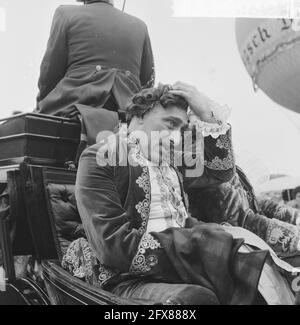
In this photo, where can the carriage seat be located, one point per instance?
(65, 214)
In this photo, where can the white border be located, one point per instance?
(2, 19)
(237, 8)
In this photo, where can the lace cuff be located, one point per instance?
(213, 130)
(220, 127)
(209, 129)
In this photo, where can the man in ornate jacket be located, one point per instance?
(142, 242)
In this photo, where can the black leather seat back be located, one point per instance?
(63, 211)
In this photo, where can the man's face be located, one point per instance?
(162, 126)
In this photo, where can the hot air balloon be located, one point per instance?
(270, 50)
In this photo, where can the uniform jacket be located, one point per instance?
(94, 51)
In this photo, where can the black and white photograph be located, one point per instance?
(149, 155)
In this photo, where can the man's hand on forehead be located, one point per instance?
(199, 103)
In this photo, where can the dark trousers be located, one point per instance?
(165, 293)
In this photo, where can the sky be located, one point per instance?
(200, 51)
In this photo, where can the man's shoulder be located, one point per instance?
(101, 147)
(74, 10)
(66, 8)
(126, 17)
(107, 152)
(135, 19)
(64, 11)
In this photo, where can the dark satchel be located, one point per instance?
(38, 139)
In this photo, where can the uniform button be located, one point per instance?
(128, 73)
(98, 67)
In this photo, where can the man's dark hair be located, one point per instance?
(144, 101)
(296, 191)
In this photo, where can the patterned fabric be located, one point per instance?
(223, 142)
(143, 181)
(220, 164)
(160, 210)
(283, 237)
(220, 114)
(230, 203)
(167, 208)
(105, 273)
(208, 133)
(214, 130)
(281, 212)
(143, 263)
(143, 207)
(78, 259)
(81, 261)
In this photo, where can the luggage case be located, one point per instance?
(38, 139)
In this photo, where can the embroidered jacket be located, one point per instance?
(114, 202)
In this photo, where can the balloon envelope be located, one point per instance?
(270, 50)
